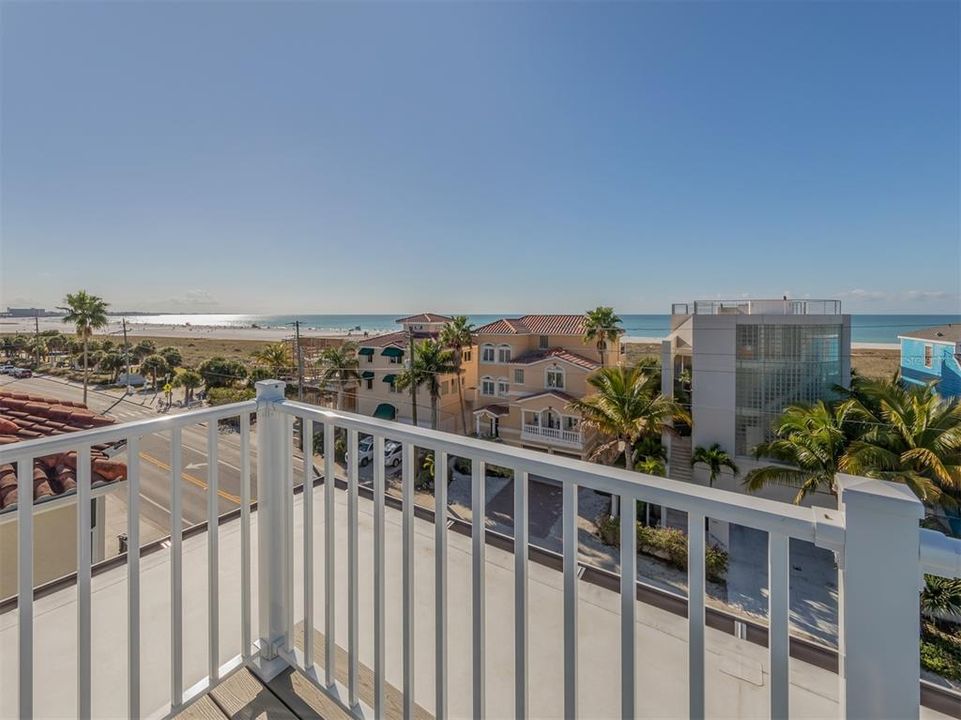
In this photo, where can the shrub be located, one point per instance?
(665, 543)
(221, 372)
(225, 396)
(940, 653)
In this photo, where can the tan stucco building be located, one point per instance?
(528, 370)
(383, 357)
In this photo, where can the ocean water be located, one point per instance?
(864, 328)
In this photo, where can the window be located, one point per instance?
(394, 359)
(503, 387)
(370, 384)
(518, 376)
(445, 387)
(928, 355)
(465, 355)
(504, 354)
(555, 378)
(543, 342)
(487, 386)
(487, 353)
(370, 358)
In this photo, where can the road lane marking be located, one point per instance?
(189, 478)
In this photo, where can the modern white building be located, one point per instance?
(741, 363)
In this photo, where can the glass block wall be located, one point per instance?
(777, 366)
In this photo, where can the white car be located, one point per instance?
(7, 369)
(365, 451)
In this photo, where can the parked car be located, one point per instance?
(7, 369)
(365, 448)
(21, 373)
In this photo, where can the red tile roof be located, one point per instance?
(26, 417)
(425, 318)
(498, 410)
(395, 339)
(559, 354)
(535, 325)
(556, 393)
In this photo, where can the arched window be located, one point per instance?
(487, 353)
(503, 387)
(503, 353)
(487, 385)
(554, 378)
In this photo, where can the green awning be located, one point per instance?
(392, 352)
(368, 375)
(366, 351)
(389, 378)
(385, 411)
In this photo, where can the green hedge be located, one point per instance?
(657, 542)
(226, 395)
(941, 652)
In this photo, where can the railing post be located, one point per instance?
(273, 457)
(879, 577)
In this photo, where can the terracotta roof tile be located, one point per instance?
(425, 318)
(25, 417)
(559, 354)
(535, 325)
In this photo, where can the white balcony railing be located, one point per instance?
(556, 435)
(874, 534)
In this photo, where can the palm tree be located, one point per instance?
(143, 349)
(430, 361)
(189, 380)
(912, 436)
(601, 328)
(275, 357)
(626, 405)
(38, 346)
(940, 596)
(112, 362)
(810, 441)
(86, 313)
(339, 366)
(456, 335)
(716, 459)
(155, 365)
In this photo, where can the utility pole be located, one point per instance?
(300, 362)
(36, 342)
(126, 355)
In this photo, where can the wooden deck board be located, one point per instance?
(243, 696)
(301, 696)
(393, 697)
(203, 709)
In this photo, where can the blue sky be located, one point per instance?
(373, 157)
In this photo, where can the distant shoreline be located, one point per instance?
(264, 334)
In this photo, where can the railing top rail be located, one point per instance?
(820, 525)
(112, 433)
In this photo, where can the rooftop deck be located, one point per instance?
(416, 618)
(743, 306)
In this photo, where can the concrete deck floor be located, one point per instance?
(737, 678)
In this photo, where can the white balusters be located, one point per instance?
(379, 659)
(478, 596)
(245, 534)
(353, 599)
(440, 583)
(330, 627)
(176, 569)
(628, 604)
(84, 663)
(409, 453)
(695, 613)
(213, 555)
(307, 435)
(778, 577)
(521, 686)
(133, 577)
(25, 581)
(569, 518)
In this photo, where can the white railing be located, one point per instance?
(538, 432)
(759, 307)
(875, 536)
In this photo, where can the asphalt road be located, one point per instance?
(155, 473)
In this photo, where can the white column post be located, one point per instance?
(273, 457)
(879, 602)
